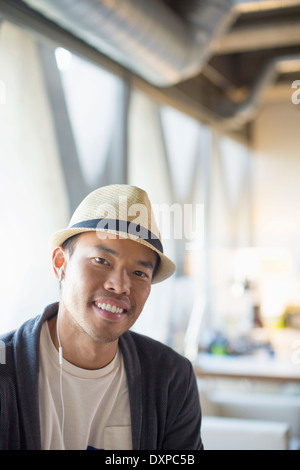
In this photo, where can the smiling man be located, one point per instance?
(104, 286)
(77, 377)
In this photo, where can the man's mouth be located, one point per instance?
(110, 308)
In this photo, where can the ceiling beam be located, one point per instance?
(247, 6)
(257, 37)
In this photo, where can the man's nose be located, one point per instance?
(118, 281)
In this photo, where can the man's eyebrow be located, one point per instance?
(106, 249)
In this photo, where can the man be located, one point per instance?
(76, 377)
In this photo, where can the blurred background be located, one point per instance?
(197, 102)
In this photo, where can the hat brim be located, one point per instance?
(165, 269)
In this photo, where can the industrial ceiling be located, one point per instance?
(214, 59)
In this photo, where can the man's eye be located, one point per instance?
(101, 260)
(140, 273)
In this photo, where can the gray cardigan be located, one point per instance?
(164, 400)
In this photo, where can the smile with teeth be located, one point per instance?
(110, 308)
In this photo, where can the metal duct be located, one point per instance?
(246, 111)
(147, 37)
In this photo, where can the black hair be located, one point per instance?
(69, 244)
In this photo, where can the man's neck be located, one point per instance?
(81, 350)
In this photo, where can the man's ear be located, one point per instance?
(58, 261)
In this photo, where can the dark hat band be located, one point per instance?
(122, 226)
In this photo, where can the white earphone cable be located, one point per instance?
(60, 352)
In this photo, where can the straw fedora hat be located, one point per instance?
(122, 210)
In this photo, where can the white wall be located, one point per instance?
(277, 173)
(276, 197)
(33, 201)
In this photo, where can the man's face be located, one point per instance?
(106, 283)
